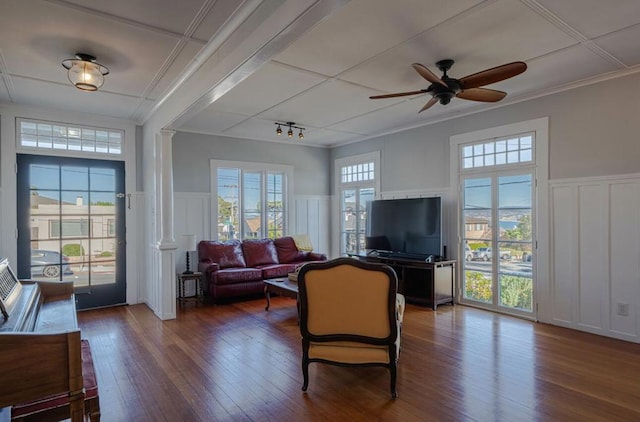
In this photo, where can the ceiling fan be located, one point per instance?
(443, 89)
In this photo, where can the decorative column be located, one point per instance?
(166, 291)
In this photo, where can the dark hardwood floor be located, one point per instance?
(239, 362)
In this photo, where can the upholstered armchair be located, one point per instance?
(349, 315)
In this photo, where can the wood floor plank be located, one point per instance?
(238, 362)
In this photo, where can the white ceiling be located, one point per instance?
(323, 78)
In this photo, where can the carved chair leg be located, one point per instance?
(305, 374)
(393, 369)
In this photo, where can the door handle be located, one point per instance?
(121, 195)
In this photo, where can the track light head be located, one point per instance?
(291, 126)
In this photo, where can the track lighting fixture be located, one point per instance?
(291, 125)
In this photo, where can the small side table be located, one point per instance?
(180, 281)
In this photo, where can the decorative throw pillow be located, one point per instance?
(303, 243)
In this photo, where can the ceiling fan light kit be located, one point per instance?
(291, 125)
(84, 73)
(445, 88)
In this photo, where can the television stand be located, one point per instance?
(424, 283)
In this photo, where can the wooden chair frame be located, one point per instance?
(309, 337)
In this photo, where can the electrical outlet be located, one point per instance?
(622, 309)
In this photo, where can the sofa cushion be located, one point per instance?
(226, 254)
(259, 252)
(237, 275)
(288, 251)
(276, 270)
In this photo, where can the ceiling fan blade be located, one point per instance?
(482, 94)
(427, 74)
(493, 75)
(398, 94)
(428, 104)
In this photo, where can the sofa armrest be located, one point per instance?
(315, 256)
(207, 268)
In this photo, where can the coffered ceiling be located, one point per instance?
(319, 76)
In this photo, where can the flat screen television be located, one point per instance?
(405, 226)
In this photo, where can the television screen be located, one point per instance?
(410, 226)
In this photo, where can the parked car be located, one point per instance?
(468, 253)
(47, 263)
(485, 254)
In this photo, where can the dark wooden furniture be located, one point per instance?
(181, 278)
(282, 286)
(426, 283)
(56, 407)
(348, 316)
(40, 347)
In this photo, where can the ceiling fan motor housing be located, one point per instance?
(445, 94)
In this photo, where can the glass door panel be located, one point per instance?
(477, 214)
(365, 195)
(515, 242)
(348, 221)
(71, 225)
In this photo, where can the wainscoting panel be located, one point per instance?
(595, 251)
(594, 264)
(312, 217)
(563, 266)
(143, 253)
(192, 215)
(625, 255)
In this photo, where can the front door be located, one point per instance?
(71, 225)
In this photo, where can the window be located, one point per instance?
(111, 228)
(512, 150)
(59, 136)
(358, 172)
(251, 199)
(70, 228)
(357, 184)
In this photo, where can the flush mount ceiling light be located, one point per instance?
(291, 126)
(84, 73)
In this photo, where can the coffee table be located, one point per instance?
(282, 286)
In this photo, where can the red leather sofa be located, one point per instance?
(236, 268)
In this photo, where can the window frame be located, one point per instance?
(265, 169)
(81, 150)
(357, 185)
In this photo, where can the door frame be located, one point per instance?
(87, 297)
(540, 127)
(494, 176)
